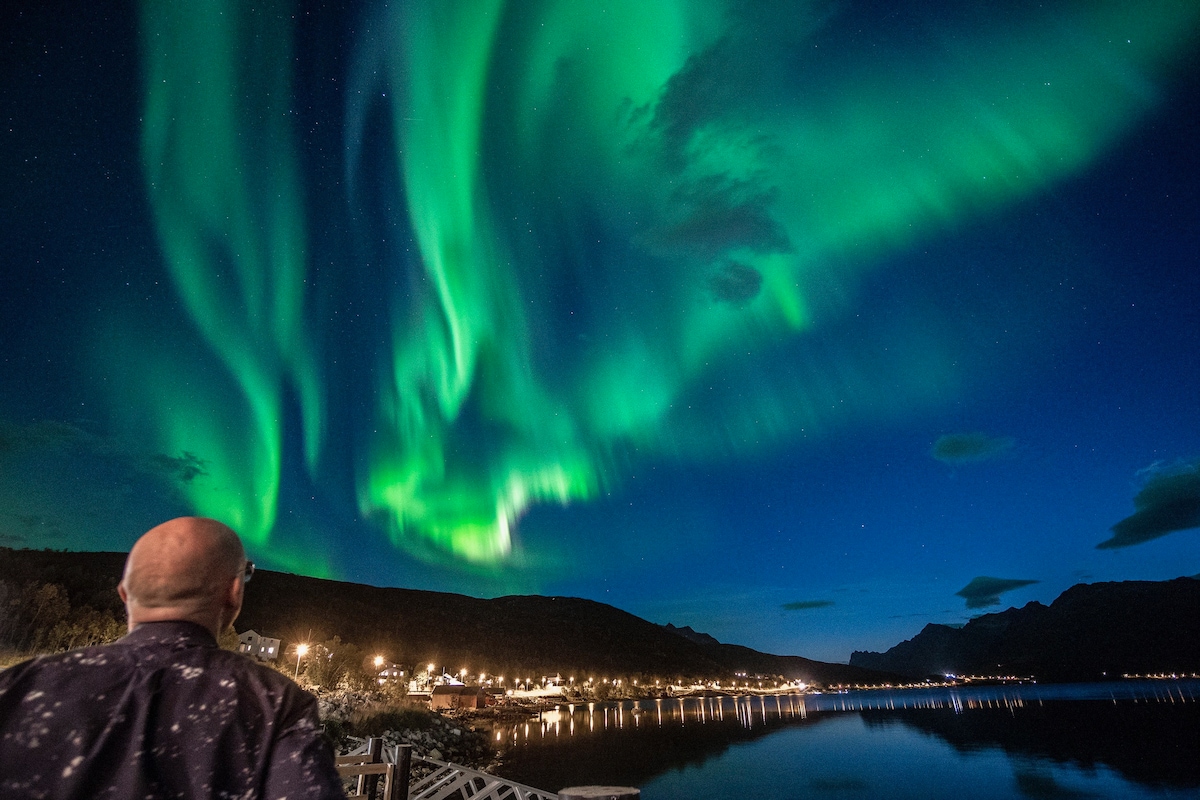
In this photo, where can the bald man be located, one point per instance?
(165, 713)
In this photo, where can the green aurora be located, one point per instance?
(631, 228)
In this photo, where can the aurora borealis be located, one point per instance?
(782, 320)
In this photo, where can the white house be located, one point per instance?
(391, 672)
(261, 647)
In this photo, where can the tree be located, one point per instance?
(336, 663)
(37, 617)
(228, 640)
(30, 612)
(84, 627)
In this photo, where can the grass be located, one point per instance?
(374, 719)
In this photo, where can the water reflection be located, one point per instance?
(572, 718)
(1144, 732)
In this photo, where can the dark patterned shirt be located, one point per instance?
(162, 713)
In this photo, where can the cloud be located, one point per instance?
(718, 209)
(60, 482)
(184, 468)
(735, 284)
(718, 215)
(54, 438)
(983, 591)
(1169, 501)
(802, 605)
(964, 448)
(43, 434)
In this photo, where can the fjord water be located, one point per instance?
(1113, 740)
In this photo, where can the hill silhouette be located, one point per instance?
(1090, 632)
(525, 635)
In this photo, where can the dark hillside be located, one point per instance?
(89, 578)
(533, 634)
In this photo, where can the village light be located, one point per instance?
(378, 662)
(301, 651)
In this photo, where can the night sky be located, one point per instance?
(801, 323)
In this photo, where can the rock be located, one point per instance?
(435, 754)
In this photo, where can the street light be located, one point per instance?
(301, 651)
(378, 662)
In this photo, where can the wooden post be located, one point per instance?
(401, 775)
(367, 783)
(600, 793)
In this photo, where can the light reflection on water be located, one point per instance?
(754, 710)
(1099, 740)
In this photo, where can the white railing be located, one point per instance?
(440, 780)
(454, 782)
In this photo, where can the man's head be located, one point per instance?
(190, 569)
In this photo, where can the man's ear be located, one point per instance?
(234, 597)
(124, 595)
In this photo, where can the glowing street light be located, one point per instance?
(378, 662)
(301, 651)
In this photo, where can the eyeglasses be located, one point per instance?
(249, 573)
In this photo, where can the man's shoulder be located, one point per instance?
(122, 657)
(61, 666)
(86, 656)
(247, 668)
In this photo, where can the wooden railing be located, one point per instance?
(368, 766)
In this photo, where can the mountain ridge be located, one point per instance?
(1089, 632)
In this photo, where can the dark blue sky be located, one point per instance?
(784, 321)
